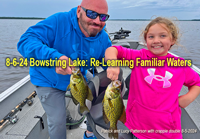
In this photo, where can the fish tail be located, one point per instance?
(113, 134)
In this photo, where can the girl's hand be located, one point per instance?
(111, 54)
(113, 72)
(188, 98)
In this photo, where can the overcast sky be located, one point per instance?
(118, 9)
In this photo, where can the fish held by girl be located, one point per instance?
(113, 107)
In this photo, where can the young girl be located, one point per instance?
(153, 109)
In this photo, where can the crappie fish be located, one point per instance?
(79, 89)
(113, 107)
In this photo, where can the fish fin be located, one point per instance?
(68, 87)
(89, 96)
(105, 117)
(75, 88)
(123, 116)
(113, 133)
(110, 103)
(74, 100)
(84, 108)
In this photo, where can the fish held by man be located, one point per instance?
(79, 89)
(113, 107)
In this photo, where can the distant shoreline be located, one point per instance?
(108, 20)
(21, 18)
(145, 20)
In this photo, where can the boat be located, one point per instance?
(23, 116)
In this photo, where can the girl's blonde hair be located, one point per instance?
(171, 28)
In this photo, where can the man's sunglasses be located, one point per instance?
(93, 15)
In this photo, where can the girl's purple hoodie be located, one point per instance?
(153, 110)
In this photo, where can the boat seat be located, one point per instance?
(127, 80)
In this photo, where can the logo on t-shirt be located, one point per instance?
(166, 82)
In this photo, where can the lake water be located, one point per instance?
(12, 29)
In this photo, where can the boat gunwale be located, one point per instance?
(14, 87)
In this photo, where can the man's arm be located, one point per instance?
(37, 40)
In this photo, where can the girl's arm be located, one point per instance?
(111, 54)
(188, 98)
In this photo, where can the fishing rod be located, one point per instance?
(11, 117)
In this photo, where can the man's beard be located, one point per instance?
(85, 26)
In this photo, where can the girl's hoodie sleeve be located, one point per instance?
(191, 77)
(126, 53)
(37, 42)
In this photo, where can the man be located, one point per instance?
(78, 33)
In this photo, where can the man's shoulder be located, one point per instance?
(68, 14)
(104, 36)
(104, 33)
(61, 15)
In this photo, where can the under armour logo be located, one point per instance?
(166, 82)
(43, 98)
(79, 53)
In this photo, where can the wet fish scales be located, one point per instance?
(79, 89)
(113, 107)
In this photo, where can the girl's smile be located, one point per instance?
(159, 40)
